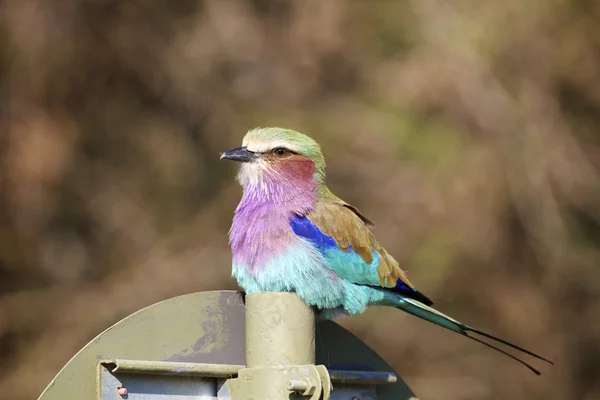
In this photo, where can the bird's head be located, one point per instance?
(271, 154)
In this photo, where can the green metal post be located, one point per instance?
(280, 351)
(280, 330)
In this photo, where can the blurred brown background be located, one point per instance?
(467, 130)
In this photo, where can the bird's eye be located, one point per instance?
(280, 152)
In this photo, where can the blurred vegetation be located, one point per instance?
(468, 130)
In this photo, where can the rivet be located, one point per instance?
(122, 391)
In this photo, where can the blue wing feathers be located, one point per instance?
(348, 264)
(306, 229)
(402, 286)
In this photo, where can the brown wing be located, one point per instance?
(348, 227)
(364, 219)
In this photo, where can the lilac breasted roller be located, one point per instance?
(290, 233)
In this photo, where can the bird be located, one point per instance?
(290, 233)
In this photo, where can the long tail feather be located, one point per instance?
(506, 353)
(497, 339)
(427, 313)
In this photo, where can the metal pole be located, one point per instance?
(280, 352)
(280, 330)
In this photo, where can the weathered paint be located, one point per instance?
(208, 327)
(280, 330)
(203, 327)
(171, 368)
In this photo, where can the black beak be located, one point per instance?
(240, 154)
